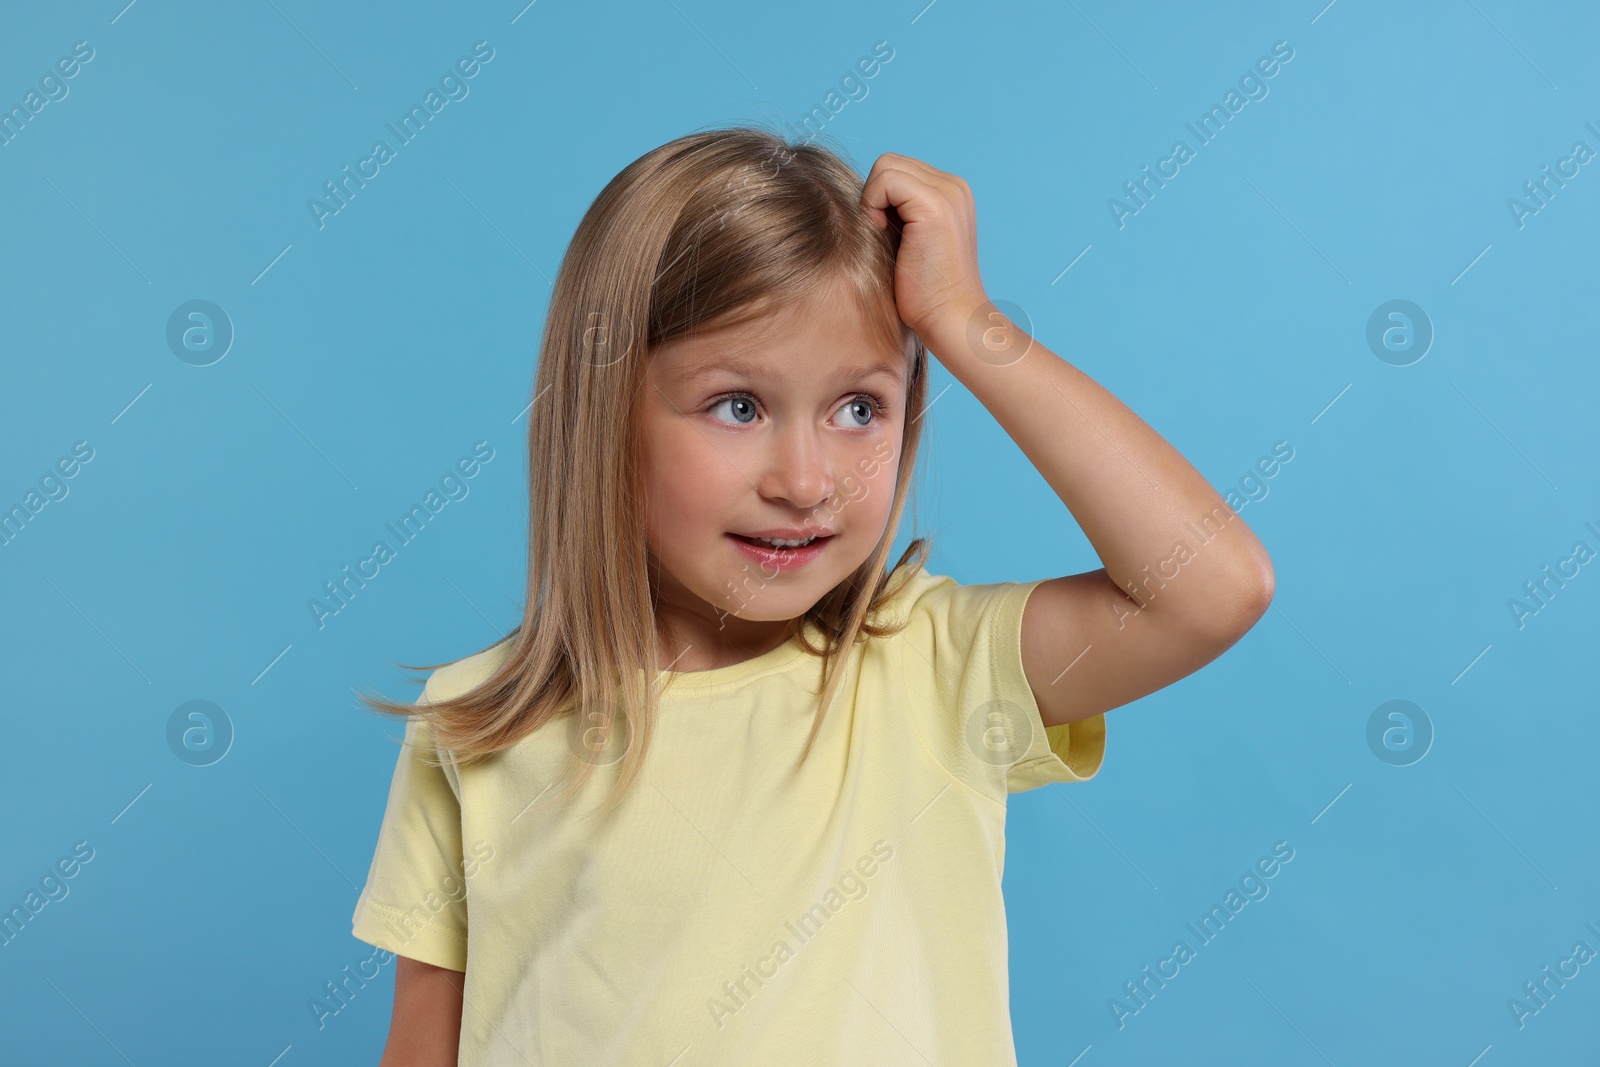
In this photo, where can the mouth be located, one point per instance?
(781, 542)
(782, 553)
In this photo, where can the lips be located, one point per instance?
(787, 533)
(760, 542)
(782, 559)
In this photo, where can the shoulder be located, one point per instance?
(911, 593)
(937, 600)
(463, 675)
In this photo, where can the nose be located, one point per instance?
(798, 469)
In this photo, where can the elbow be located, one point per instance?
(1238, 605)
(1256, 589)
(1266, 584)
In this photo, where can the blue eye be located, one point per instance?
(864, 405)
(742, 398)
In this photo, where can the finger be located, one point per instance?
(948, 187)
(895, 161)
(917, 166)
(911, 196)
(879, 218)
(951, 185)
(908, 193)
(883, 203)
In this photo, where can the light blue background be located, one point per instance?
(1230, 313)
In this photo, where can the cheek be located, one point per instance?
(868, 491)
(880, 470)
(685, 482)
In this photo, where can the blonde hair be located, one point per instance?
(712, 229)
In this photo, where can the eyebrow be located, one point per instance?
(739, 367)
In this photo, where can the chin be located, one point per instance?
(766, 609)
(770, 603)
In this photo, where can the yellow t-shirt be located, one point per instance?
(734, 910)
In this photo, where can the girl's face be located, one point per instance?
(790, 422)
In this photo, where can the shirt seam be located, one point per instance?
(798, 659)
(922, 741)
(1022, 590)
(1074, 729)
(395, 913)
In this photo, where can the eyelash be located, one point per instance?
(880, 406)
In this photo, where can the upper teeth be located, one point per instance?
(785, 543)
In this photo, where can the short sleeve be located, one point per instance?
(964, 676)
(414, 902)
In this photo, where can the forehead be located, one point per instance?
(830, 336)
(852, 366)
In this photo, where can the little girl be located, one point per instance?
(734, 791)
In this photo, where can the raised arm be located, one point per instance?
(1183, 576)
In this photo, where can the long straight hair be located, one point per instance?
(712, 229)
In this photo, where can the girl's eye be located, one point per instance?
(742, 401)
(864, 406)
